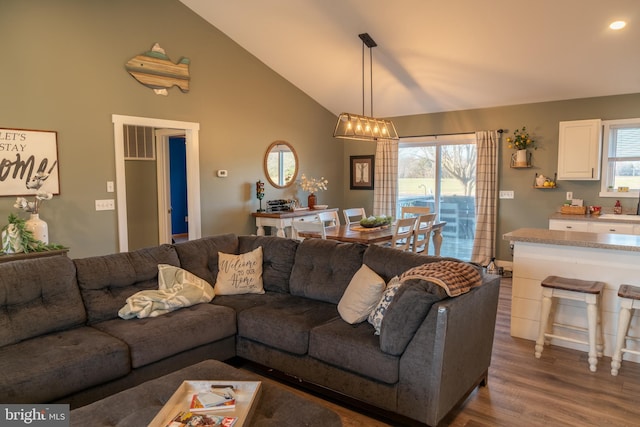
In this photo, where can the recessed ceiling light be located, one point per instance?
(617, 25)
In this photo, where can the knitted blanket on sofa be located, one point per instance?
(177, 288)
(455, 277)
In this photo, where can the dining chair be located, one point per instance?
(402, 235)
(329, 219)
(315, 228)
(449, 213)
(422, 233)
(413, 211)
(353, 215)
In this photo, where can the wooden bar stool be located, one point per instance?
(576, 290)
(629, 300)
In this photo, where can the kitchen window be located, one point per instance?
(621, 159)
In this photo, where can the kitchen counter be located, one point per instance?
(606, 217)
(610, 258)
(623, 242)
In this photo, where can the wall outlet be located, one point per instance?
(110, 187)
(105, 205)
(507, 194)
(569, 195)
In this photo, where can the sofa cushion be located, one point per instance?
(323, 269)
(153, 339)
(406, 312)
(278, 255)
(355, 348)
(361, 296)
(107, 281)
(52, 366)
(38, 296)
(201, 256)
(388, 262)
(285, 322)
(243, 302)
(378, 312)
(240, 274)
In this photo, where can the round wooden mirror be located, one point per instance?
(281, 164)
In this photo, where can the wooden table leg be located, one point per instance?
(437, 241)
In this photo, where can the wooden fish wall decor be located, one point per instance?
(154, 69)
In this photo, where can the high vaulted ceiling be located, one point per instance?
(438, 55)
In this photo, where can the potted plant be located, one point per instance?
(521, 141)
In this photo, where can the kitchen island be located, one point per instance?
(610, 258)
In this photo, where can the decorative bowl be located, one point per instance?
(320, 206)
(375, 221)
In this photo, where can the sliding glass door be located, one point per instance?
(440, 173)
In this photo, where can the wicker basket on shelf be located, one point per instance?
(573, 210)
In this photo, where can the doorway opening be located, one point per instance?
(164, 130)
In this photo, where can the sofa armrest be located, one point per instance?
(449, 354)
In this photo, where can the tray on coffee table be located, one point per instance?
(247, 395)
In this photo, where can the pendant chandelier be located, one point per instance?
(361, 127)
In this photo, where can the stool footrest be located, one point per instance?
(564, 338)
(571, 327)
(626, 350)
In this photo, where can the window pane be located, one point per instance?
(627, 174)
(416, 177)
(627, 142)
(442, 177)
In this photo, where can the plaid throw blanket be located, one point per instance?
(455, 277)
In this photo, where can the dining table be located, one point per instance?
(355, 233)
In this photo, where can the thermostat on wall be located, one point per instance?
(222, 173)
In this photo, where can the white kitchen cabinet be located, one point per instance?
(611, 228)
(596, 226)
(568, 225)
(579, 150)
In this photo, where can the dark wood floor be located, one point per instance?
(556, 390)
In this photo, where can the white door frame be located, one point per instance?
(191, 133)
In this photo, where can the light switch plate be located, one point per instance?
(506, 194)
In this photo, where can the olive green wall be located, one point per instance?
(63, 70)
(530, 207)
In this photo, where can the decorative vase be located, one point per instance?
(38, 227)
(521, 158)
(311, 200)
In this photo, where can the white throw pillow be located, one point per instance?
(377, 314)
(361, 296)
(240, 274)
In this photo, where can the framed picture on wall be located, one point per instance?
(25, 153)
(362, 172)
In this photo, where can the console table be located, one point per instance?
(30, 255)
(281, 220)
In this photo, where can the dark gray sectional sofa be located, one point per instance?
(62, 341)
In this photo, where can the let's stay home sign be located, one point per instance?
(23, 153)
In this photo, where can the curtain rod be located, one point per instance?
(444, 134)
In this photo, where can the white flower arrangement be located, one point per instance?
(312, 185)
(34, 184)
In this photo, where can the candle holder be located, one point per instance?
(260, 193)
